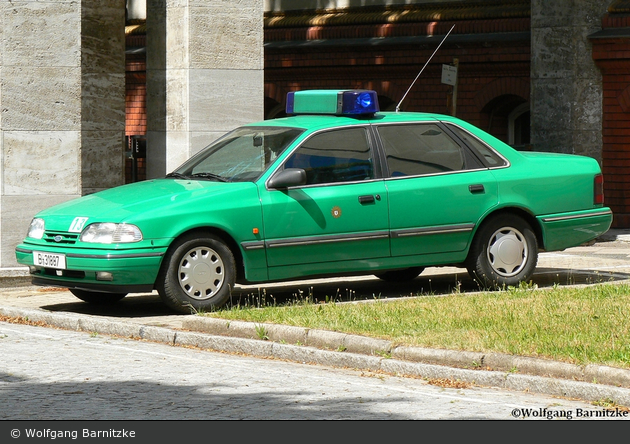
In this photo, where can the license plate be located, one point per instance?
(49, 260)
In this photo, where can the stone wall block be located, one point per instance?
(156, 35)
(156, 100)
(41, 162)
(156, 152)
(552, 105)
(32, 37)
(4, 7)
(175, 158)
(102, 160)
(555, 57)
(228, 35)
(177, 39)
(587, 105)
(223, 99)
(177, 99)
(545, 13)
(103, 102)
(35, 98)
(102, 37)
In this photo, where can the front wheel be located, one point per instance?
(198, 274)
(504, 252)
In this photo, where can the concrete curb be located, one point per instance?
(298, 344)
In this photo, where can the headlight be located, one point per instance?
(111, 233)
(36, 230)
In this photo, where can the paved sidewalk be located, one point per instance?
(145, 317)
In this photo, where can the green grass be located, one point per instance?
(580, 325)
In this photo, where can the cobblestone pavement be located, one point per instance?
(64, 375)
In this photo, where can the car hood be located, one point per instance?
(139, 200)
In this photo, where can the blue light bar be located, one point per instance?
(336, 102)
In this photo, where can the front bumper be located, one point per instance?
(119, 271)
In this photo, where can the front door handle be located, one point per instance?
(366, 199)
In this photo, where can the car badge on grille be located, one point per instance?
(58, 238)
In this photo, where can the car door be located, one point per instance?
(438, 190)
(340, 214)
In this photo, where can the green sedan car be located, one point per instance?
(337, 188)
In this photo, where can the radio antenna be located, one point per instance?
(425, 65)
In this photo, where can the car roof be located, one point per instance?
(318, 121)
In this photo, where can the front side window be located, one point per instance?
(240, 156)
(342, 155)
(418, 149)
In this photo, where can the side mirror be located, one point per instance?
(291, 177)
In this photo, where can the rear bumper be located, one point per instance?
(567, 230)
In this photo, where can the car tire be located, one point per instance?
(198, 274)
(504, 252)
(97, 297)
(404, 275)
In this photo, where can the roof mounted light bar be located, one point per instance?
(355, 102)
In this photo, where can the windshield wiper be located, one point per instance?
(177, 176)
(212, 176)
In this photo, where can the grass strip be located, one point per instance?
(579, 325)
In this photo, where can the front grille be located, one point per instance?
(61, 237)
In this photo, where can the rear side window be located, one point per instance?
(419, 149)
(491, 158)
(334, 156)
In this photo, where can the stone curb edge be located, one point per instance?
(342, 350)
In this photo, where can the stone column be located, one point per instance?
(204, 75)
(566, 93)
(62, 103)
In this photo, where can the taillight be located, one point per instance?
(598, 197)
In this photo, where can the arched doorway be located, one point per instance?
(507, 118)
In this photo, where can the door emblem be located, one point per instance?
(336, 212)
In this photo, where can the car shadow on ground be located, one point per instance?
(365, 288)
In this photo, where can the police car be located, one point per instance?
(336, 188)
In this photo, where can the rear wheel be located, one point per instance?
(198, 274)
(504, 252)
(404, 275)
(97, 297)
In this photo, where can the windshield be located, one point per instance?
(240, 156)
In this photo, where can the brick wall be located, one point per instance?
(612, 56)
(493, 56)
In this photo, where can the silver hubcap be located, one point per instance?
(201, 273)
(507, 251)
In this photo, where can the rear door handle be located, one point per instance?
(366, 199)
(476, 189)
